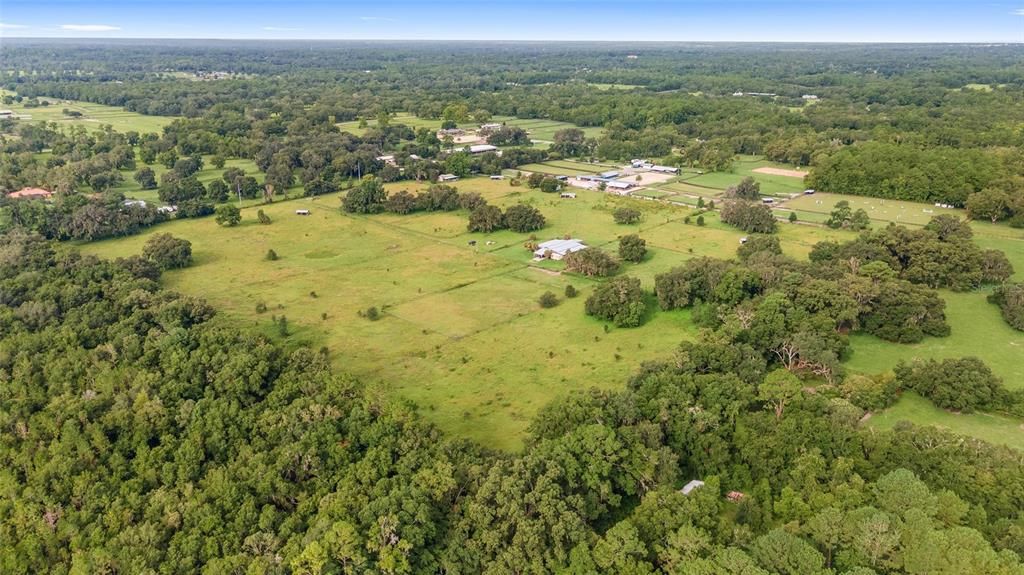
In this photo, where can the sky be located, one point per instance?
(623, 20)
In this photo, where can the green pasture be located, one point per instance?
(406, 118)
(898, 211)
(94, 116)
(977, 328)
(603, 86)
(461, 333)
(539, 129)
(565, 168)
(993, 428)
(544, 130)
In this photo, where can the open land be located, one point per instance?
(93, 116)
(461, 332)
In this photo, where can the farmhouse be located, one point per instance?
(482, 148)
(389, 159)
(31, 194)
(558, 249)
(134, 203)
(6, 114)
(447, 178)
(167, 209)
(451, 132)
(490, 127)
(694, 484)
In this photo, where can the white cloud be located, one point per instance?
(280, 29)
(1018, 12)
(376, 19)
(6, 26)
(89, 27)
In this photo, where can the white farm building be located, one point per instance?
(558, 249)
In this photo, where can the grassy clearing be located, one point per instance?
(989, 427)
(977, 329)
(602, 86)
(900, 212)
(406, 118)
(461, 333)
(565, 168)
(539, 129)
(771, 185)
(94, 116)
(544, 130)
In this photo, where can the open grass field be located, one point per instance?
(399, 118)
(771, 184)
(461, 333)
(544, 130)
(977, 329)
(94, 116)
(539, 129)
(990, 427)
(566, 168)
(900, 212)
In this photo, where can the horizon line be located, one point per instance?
(521, 40)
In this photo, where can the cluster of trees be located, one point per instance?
(593, 262)
(748, 189)
(844, 217)
(1010, 299)
(175, 444)
(520, 218)
(1003, 199)
(167, 251)
(370, 197)
(940, 255)
(964, 384)
(946, 174)
(509, 136)
(748, 216)
(620, 300)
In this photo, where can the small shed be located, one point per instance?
(447, 178)
(301, 212)
(694, 484)
(498, 177)
(569, 195)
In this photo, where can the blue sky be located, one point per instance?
(673, 20)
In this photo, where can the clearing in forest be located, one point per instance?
(461, 332)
